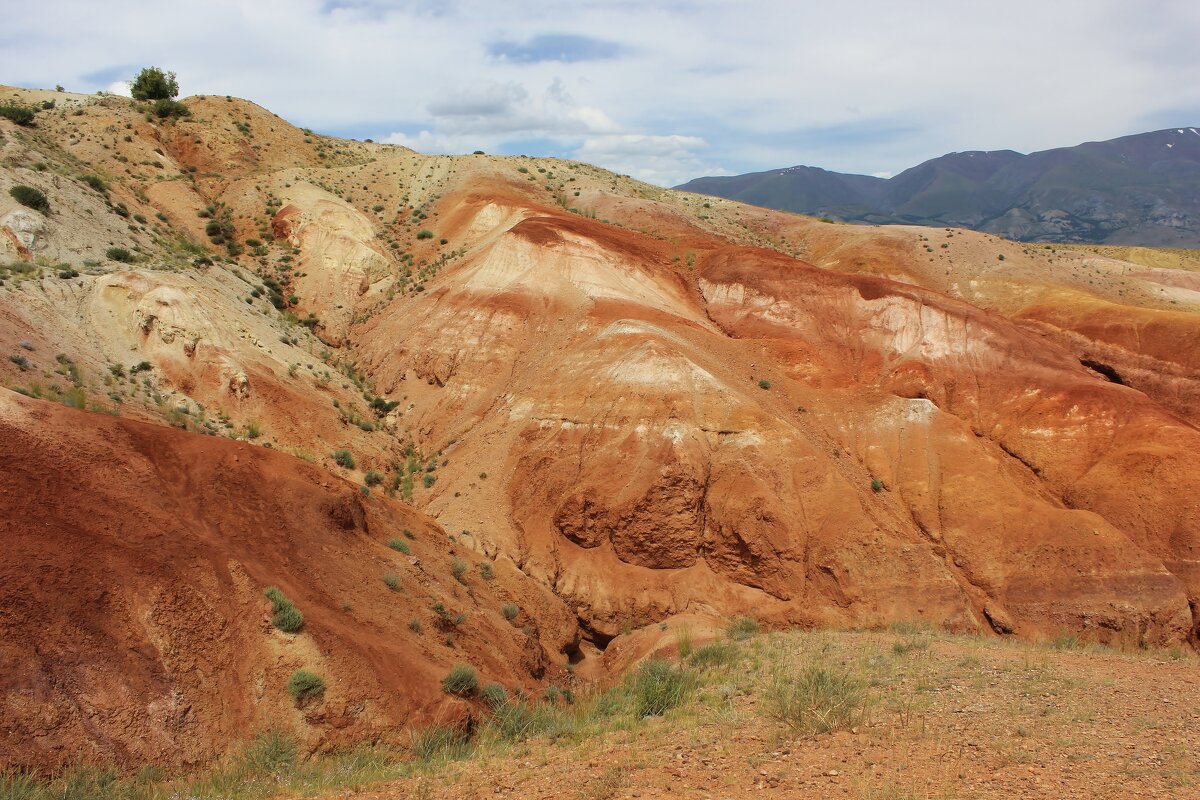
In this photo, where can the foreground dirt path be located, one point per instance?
(950, 718)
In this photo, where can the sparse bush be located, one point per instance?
(818, 700)
(30, 197)
(425, 233)
(510, 611)
(119, 254)
(166, 109)
(494, 695)
(658, 687)
(485, 570)
(96, 182)
(304, 686)
(15, 112)
(740, 628)
(372, 478)
(877, 485)
(154, 84)
(764, 384)
(343, 458)
(415, 625)
(391, 580)
(399, 545)
(461, 680)
(458, 568)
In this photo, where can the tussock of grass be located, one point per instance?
(440, 744)
(659, 686)
(819, 699)
(716, 654)
(285, 616)
(741, 628)
(461, 680)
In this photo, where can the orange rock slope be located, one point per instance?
(638, 403)
(133, 624)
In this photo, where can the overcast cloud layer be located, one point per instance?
(663, 90)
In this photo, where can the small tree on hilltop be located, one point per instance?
(154, 84)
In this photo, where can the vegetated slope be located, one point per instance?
(1135, 190)
(133, 624)
(651, 403)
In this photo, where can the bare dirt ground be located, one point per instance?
(947, 717)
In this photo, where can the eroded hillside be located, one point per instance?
(642, 403)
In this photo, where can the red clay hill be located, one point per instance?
(633, 403)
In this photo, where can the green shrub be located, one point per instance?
(494, 695)
(31, 197)
(399, 545)
(96, 182)
(15, 112)
(415, 625)
(285, 616)
(510, 611)
(658, 687)
(485, 570)
(877, 485)
(304, 686)
(119, 254)
(343, 458)
(818, 700)
(461, 680)
(458, 568)
(392, 581)
(154, 84)
(740, 628)
(425, 233)
(764, 384)
(166, 109)
(429, 480)
(372, 478)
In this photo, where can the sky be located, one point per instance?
(662, 90)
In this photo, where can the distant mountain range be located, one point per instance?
(1142, 189)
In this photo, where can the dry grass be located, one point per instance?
(900, 714)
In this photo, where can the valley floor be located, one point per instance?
(895, 715)
(945, 717)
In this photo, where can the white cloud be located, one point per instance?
(121, 88)
(665, 160)
(869, 87)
